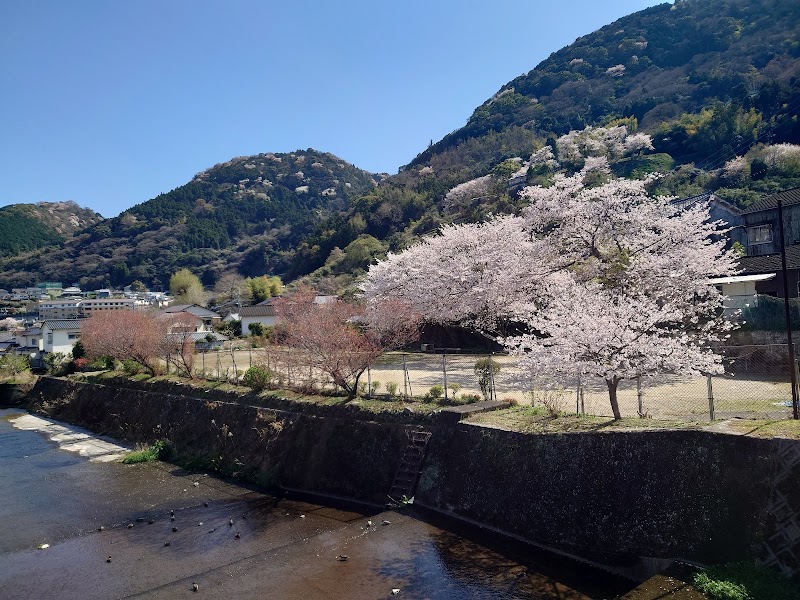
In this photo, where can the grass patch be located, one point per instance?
(784, 428)
(536, 419)
(745, 581)
(156, 451)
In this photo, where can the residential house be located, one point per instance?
(762, 240)
(29, 341)
(60, 335)
(207, 318)
(262, 313)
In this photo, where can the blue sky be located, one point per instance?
(109, 103)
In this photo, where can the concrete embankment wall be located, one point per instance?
(611, 496)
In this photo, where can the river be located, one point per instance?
(109, 533)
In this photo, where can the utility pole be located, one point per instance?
(792, 364)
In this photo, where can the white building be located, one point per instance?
(60, 335)
(740, 290)
(263, 313)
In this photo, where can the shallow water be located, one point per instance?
(58, 488)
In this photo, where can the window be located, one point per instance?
(760, 234)
(49, 338)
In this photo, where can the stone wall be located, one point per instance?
(695, 495)
(348, 457)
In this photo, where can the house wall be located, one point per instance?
(791, 225)
(265, 321)
(61, 340)
(774, 286)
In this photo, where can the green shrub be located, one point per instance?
(721, 590)
(56, 363)
(391, 388)
(436, 392)
(745, 581)
(131, 367)
(258, 377)
(470, 398)
(78, 350)
(156, 451)
(12, 365)
(256, 329)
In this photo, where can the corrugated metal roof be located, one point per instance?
(63, 324)
(787, 197)
(194, 309)
(259, 310)
(770, 263)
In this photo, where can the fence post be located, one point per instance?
(405, 378)
(219, 367)
(250, 350)
(578, 396)
(369, 382)
(204, 364)
(444, 372)
(492, 393)
(710, 398)
(639, 394)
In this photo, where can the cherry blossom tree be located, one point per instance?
(607, 281)
(341, 339)
(476, 274)
(125, 334)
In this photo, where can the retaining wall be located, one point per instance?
(349, 457)
(696, 495)
(611, 496)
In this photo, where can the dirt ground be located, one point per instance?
(663, 397)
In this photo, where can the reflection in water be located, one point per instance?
(445, 565)
(237, 542)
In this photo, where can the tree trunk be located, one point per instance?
(612, 395)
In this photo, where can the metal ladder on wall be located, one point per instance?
(405, 481)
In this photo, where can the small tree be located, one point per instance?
(342, 339)
(187, 288)
(179, 346)
(12, 365)
(125, 334)
(486, 369)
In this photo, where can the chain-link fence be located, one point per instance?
(756, 383)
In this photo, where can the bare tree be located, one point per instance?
(342, 339)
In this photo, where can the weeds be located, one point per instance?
(156, 451)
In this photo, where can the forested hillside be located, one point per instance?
(26, 227)
(247, 214)
(705, 91)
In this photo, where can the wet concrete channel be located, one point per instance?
(61, 485)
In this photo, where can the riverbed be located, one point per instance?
(76, 523)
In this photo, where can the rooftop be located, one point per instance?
(787, 198)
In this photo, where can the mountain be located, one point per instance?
(26, 227)
(714, 83)
(657, 65)
(248, 214)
